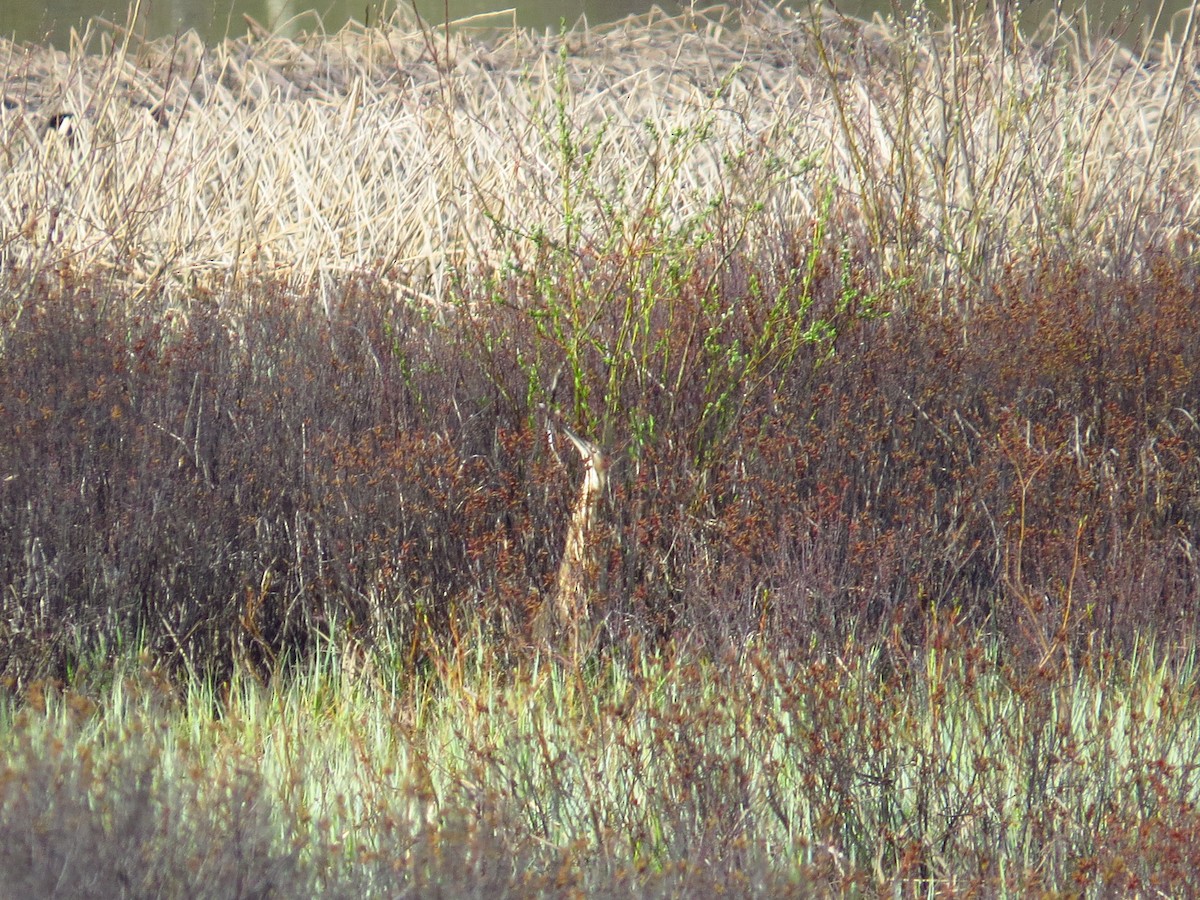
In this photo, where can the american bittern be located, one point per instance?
(580, 567)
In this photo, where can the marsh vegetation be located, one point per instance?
(888, 334)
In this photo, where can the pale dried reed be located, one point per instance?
(424, 158)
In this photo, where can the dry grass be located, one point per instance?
(424, 158)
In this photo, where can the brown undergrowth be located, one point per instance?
(236, 487)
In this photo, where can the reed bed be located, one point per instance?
(887, 330)
(427, 156)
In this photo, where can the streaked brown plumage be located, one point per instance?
(570, 615)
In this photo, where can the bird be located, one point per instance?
(581, 564)
(61, 124)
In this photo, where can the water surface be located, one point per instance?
(52, 20)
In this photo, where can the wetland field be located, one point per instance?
(889, 333)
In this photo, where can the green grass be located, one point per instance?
(838, 774)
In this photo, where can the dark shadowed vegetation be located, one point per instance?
(242, 487)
